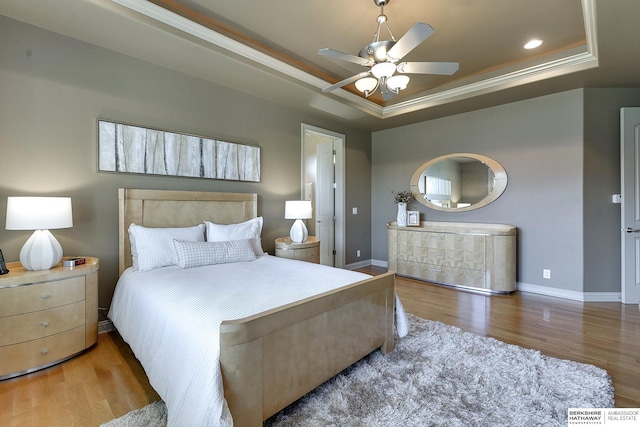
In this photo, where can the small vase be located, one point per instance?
(402, 214)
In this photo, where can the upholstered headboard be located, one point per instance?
(170, 208)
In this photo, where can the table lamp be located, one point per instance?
(42, 251)
(298, 210)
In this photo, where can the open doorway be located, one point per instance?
(323, 184)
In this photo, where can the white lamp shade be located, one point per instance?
(297, 209)
(398, 82)
(42, 251)
(38, 213)
(367, 84)
(383, 69)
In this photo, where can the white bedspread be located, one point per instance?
(171, 319)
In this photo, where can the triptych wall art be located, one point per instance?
(134, 149)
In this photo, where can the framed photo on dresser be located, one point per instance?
(413, 218)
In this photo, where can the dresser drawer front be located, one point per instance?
(41, 296)
(40, 324)
(33, 354)
(450, 241)
(443, 257)
(442, 274)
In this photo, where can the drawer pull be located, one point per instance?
(435, 270)
(45, 323)
(44, 296)
(435, 254)
(45, 351)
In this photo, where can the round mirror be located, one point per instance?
(458, 182)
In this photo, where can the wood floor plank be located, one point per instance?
(107, 381)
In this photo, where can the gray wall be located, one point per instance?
(53, 90)
(601, 180)
(561, 154)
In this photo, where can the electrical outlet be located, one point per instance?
(355, 211)
(358, 253)
(546, 274)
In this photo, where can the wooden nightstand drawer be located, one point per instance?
(309, 255)
(31, 326)
(46, 316)
(41, 296)
(32, 355)
(307, 251)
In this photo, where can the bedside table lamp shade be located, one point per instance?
(42, 251)
(298, 210)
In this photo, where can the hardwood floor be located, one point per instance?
(97, 386)
(106, 382)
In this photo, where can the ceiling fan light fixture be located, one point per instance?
(382, 56)
(383, 69)
(398, 83)
(367, 85)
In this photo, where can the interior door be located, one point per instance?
(630, 190)
(325, 201)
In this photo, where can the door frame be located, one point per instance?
(339, 201)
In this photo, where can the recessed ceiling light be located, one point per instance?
(532, 44)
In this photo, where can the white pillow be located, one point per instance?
(251, 229)
(153, 247)
(197, 254)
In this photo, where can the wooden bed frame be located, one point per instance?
(271, 359)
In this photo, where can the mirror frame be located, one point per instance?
(498, 188)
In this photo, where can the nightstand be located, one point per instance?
(46, 316)
(309, 250)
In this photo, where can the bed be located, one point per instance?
(267, 359)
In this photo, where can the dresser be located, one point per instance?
(468, 255)
(46, 316)
(309, 250)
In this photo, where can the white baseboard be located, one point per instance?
(379, 263)
(367, 263)
(105, 326)
(572, 295)
(358, 264)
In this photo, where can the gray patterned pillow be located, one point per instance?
(198, 254)
(153, 247)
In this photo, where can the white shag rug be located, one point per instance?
(439, 375)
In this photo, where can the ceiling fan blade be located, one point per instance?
(442, 68)
(335, 54)
(412, 38)
(346, 81)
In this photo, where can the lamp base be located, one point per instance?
(41, 252)
(298, 232)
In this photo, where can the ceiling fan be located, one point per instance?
(382, 59)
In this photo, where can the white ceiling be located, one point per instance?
(269, 48)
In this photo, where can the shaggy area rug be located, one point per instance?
(439, 375)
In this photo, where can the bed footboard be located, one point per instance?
(272, 359)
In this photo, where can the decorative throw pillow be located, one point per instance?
(153, 247)
(198, 254)
(251, 229)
